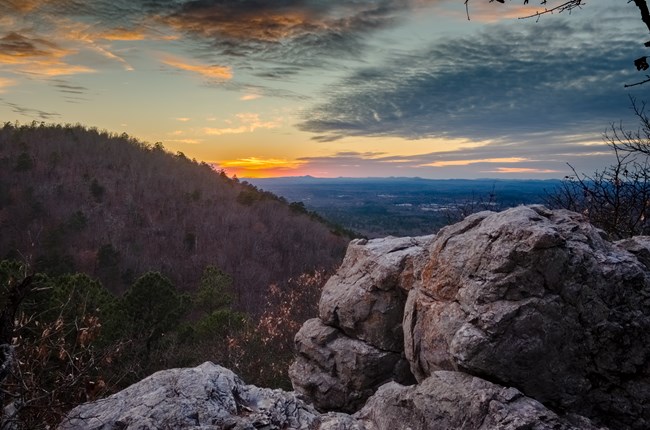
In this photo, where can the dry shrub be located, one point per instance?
(263, 351)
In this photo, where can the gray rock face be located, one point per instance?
(204, 397)
(538, 300)
(337, 372)
(358, 343)
(528, 298)
(365, 298)
(639, 246)
(454, 400)
(210, 397)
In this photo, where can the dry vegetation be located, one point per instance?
(121, 259)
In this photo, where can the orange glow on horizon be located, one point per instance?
(254, 167)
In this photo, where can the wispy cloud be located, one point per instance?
(487, 159)
(245, 123)
(283, 37)
(187, 141)
(253, 20)
(468, 162)
(29, 112)
(249, 97)
(36, 56)
(521, 170)
(66, 87)
(491, 12)
(210, 72)
(537, 82)
(6, 83)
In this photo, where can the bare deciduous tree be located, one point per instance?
(617, 198)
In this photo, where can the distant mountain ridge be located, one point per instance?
(78, 199)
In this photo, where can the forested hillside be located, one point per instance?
(74, 199)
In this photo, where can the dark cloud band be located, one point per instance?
(549, 79)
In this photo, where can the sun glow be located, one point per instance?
(254, 167)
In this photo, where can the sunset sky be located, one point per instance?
(332, 87)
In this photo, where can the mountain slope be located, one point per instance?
(78, 199)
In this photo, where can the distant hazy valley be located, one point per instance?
(377, 207)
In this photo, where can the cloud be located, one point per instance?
(248, 123)
(5, 83)
(122, 34)
(24, 6)
(295, 33)
(520, 170)
(272, 22)
(489, 159)
(468, 162)
(210, 72)
(183, 119)
(262, 90)
(537, 82)
(36, 56)
(67, 88)
(29, 112)
(490, 12)
(249, 97)
(16, 46)
(187, 141)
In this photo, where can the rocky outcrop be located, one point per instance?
(454, 400)
(337, 372)
(528, 298)
(538, 300)
(207, 396)
(365, 298)
(210, 397)
(524, 319)
(358, 343)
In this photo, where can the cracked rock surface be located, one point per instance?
(529, 298)
(454, 400)
(540, 301)
(358, 343)
(205, 397)
(337, 372)
(211, 397)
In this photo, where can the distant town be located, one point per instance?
(376, 207)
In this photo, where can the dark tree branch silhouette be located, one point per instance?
(563, 7)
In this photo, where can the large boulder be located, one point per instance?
(358, 343)
(336, 372)
(541, 301)
(454, 400)
(365, 298)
